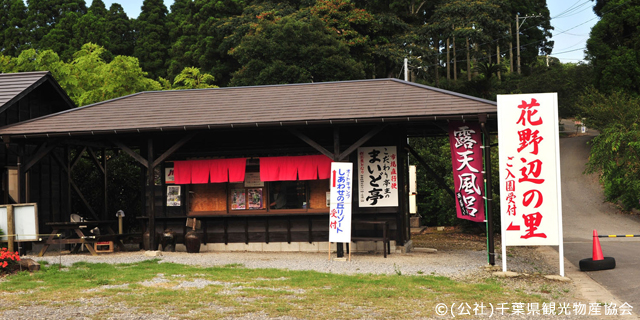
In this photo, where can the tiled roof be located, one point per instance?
(275, 105)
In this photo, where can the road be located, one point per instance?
(584, 210)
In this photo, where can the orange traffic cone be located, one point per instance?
(597, 262)
(597, 251)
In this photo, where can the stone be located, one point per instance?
(557, 278)
(151, 253)
(29, 264)
(425, 250)
(505, 274)
(340, 259)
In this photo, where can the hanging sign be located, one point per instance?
(530, 202)
(378, 177)
(340, 202)
(168, 176)
(466, 158)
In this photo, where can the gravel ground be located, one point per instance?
(454, 262)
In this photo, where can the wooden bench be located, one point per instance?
(386, 244)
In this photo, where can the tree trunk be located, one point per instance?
(468, 62)
(437, 47)
(510, 51)
(455, 61)
(498, 59)
(448, 61)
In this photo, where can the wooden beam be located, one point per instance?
(77, 158)
(75, 186)
(431, 172)
(130, 152)
(360, 142)
(43, 150)
(173, 149)
(336, 144)
(95, 159)
(310, 142)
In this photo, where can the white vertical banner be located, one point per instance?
(530, 201)
(340, 202)
(378, 176)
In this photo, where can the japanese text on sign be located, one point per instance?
(529, 169)
(466, 158)
(378, 181)
(340, 202)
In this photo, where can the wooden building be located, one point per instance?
(25, 96)
(221, 155)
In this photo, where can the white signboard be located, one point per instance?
(378, 177)
(25, 221)
(340, 202)
(530, 202)
(252, 180)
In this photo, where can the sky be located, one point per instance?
(572, 21)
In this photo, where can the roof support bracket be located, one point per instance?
(173, 149)
(130, 152)
(360, 142)
(42, 151)
(431, 172)
(312, 143)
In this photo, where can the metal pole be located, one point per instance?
(406, 69)
(488, 193)
(518, 41)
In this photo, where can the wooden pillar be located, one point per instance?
(22, 194)
(11, 230)
(403, 232)
(106, 198)
(152, 195)
(67, 151)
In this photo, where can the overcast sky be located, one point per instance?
(572, 21)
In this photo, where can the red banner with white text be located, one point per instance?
(465, 140)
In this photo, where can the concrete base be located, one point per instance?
(360, 246)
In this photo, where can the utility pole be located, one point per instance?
(406, 69)
(518, 34)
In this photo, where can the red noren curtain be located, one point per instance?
(287, 168)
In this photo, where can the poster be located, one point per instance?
(237, 199)
(254, 198)
(341, 201)
(168, 176)
(378, 177)
(173, 196)
(530, 202)
(466, 158)
(252, 180)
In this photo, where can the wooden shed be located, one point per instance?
(222, 154)
(25, 96)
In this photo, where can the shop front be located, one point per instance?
(249, 167)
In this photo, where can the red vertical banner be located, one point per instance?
(465, 140)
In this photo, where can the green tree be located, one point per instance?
(13, 32)
(192, 78)
(615, 152)
(119, 30)
(201, 37)
(613, 45)
(101, 81)
(152, 38)
(43, 15)
(293, 50)
(98, 8)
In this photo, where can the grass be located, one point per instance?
(233, 290)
